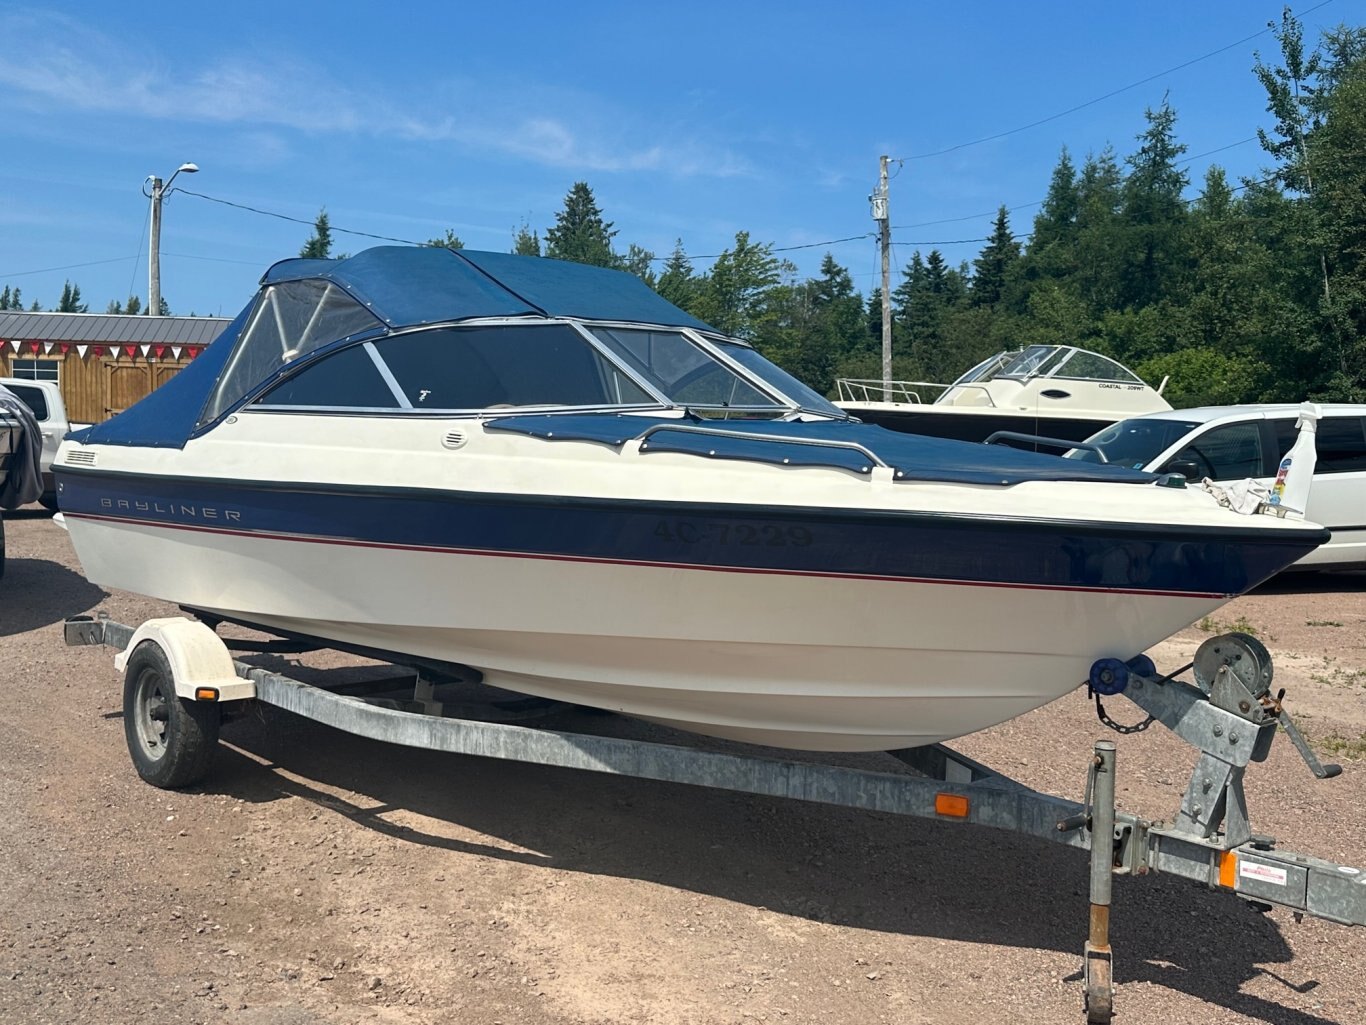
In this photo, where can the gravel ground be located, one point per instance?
(321, 878)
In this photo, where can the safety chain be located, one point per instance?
(1120, 728)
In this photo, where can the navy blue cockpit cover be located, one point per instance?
(166, 417)
(405, 286)
(912, 457)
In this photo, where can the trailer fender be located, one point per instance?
(200, 662)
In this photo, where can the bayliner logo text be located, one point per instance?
(173, 509)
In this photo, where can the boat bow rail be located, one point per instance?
(1228, 715)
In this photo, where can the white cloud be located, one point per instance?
(68, 67)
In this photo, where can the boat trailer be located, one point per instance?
(179, 676)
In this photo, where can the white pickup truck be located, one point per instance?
(45, 399)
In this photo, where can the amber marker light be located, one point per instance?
(206, 693)
(953, 806)
(1228, 870)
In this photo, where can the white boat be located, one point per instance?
(548, 473)
(1057, 391)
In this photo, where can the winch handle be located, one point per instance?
(1306, 752)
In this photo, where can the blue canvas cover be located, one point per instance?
(405, 286)
(912, 457)
(166, 417)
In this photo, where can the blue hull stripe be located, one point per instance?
(815, 542)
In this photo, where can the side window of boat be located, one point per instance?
(347, 378)
(504, 365)
(1230, 452)
(1339, 441)
(290, 319)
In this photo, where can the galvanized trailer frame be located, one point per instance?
(1228, 715)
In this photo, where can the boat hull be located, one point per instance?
(837, 662)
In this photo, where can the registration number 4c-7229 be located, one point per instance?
(690, 532)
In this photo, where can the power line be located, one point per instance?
(69, 266)
(1109, 95)
(299, 220)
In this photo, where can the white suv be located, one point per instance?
(1228, 443)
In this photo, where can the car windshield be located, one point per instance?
(1134, 443)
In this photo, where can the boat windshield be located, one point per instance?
(686, 373)
(1134, 443)
(1036, 361)
(1068, 362)
(806, 397)
(987, 369)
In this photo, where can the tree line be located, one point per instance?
(1247, 292)
(1252, 292)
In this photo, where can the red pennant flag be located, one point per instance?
(65, 347)
(159, 350)
(131, 351)
(34, 346)
(98, 350)
(192, 351)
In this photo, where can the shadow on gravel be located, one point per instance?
(862, 870)
(38, 592)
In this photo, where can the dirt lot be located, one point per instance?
(322, 878)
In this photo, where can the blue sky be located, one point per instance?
(690, 121)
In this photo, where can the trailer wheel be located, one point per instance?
(172, 741)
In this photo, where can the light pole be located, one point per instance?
(154, 250)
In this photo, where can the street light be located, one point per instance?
(159, 191)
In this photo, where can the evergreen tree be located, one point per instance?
(526, 242)
(1097, 275)
(676, 282)
(1057, 219)
(448, 241)
(5, 301)
(580, 234)
(1340, 203)
(319, 246)
(995, 263)
(114, 307)
(826, 326)
(638, 261)
(733, 295)
(71, 300)
(1293, 101)
(165, 309)
(133, 306)
(1154, 213)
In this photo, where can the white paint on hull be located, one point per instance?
(815, 663)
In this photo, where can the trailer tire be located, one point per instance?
(172, 741)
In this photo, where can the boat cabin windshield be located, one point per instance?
(1068, 362)
(309, 345)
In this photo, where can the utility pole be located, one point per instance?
(159, 191)
(154, 251)
(880, 214)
